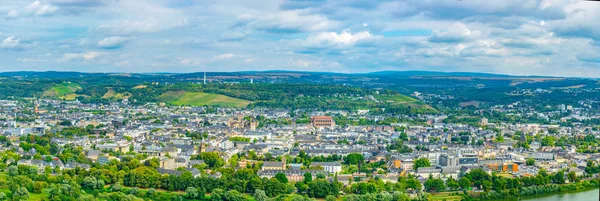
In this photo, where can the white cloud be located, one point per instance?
(287, 21)
(12, 14)
(223, 56)
(456, 33)
(80, 56)
(38, 8)
(581, 21)
(136, 16)
(128, 27)
(112, 42)
(14, 43)
(344, 38)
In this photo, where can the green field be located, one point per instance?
(398, 99)
(446, 196)
(61, 90)
(202, 99)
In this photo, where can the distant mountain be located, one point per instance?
(437, 73)
(50, 74)
(73, 74)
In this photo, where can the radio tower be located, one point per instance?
(204, 74)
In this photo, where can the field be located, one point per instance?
(403, 100)
(202, 99)
(114, 95)
(399, 99)
(446, 196)
(61, 90)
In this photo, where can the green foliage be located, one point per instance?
(260, 195)
(354, 159)
(281, 177)
(434, 185)
(239, 139)
(421, 162)
(529, 161)
(212, 159)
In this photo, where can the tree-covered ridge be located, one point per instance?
(279, 95)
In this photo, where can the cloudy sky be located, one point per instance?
(520, 37)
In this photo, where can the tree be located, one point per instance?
(384, 196)
(90, 182)
(329, 198)
(280, 176)
(529, 161)
(259, 195)
(354, 159)
(307, 177)
(212, 159)
(320, 188)
(414, 184)
(134, 190)
(572, 177)
(13, 171)
(464, 182)
(233, 195)
(191, 192)
(3, 196)
(548, 141)
(434, 185)
(115, 187)
(559, 177)
(151, 192)
(421, 162)
(452, 183)
(217, 195)
(21, 194)
(486, 185)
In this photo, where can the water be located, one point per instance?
(591, 195)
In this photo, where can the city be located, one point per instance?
(299, 100)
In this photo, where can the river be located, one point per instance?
(591, 195)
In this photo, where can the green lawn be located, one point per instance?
(446, 196)
(202, 99)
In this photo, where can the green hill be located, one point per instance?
(400, 99)
(62, 90)
(397, 99)
(201, 99)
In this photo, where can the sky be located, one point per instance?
(518, 37)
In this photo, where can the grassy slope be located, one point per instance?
(111, 93)
(400, 99)
(201, 99)
(404, 100)
(63, 91)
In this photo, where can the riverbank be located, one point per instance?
(540, 191)
(583, 195)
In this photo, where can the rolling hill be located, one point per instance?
(64, 90)
(201, 99)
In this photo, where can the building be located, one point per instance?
(503, 167)
(329, 167)
(239, 122)
(167, 163)
(322, 121)
(269, 165)
(425, 172)
(484, 121)
(292, 175)
(448, 160)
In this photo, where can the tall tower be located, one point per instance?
(205, 75)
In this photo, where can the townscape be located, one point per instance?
(122, 150)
